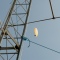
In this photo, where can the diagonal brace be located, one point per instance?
(12, 38)
(7, 20)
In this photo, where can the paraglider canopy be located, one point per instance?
(35, 32)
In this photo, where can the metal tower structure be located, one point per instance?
(13, 28)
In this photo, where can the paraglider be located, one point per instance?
(35, 32)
